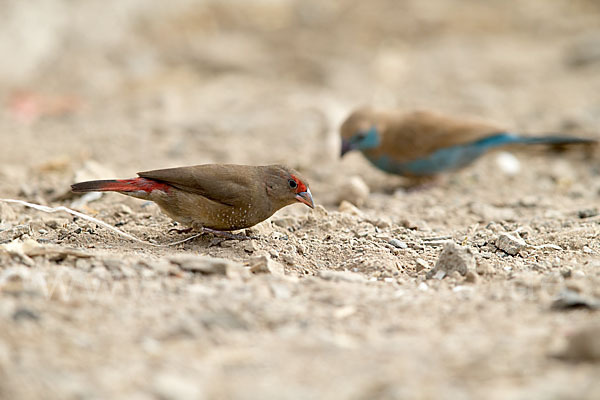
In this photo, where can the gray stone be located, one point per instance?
(205, 264)
(250, 246)
(452, 258)
(264, 264)
(421, 265)
(171, 386)
(471, 277)
(113, 264)
(569, 299)
(354, 190)
(14, 233)
(510, 244)
(23, 313)
(587, 213)
(349, 208)
(341, 276)
(398, 243)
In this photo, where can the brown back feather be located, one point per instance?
(408, 136)
(230, 184)
(227, 184)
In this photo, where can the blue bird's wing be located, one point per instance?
(446, 159)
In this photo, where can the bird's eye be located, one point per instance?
(359, 137)
(292, 184)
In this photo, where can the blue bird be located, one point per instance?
(423, 143)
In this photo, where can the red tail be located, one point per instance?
(121, 185)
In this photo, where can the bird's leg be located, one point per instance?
(214, 232)
(226, 235)
(185, 230)
(223, 234)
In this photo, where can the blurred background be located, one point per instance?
(102, 89)
(147, 84)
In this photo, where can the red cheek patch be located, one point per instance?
(301, 186)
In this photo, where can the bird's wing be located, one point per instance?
(420, 133)
(224, 183)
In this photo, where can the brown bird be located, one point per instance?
(425, 143)
(213, 197)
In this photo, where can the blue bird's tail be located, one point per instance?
(557, 140)
(502, 139)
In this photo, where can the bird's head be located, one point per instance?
(286, 186)
(361, 131)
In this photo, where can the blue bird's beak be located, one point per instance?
(346, 147)
(305, 198)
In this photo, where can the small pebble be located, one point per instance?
(349, 208)
(123, 209)
(204, 264)
(421, 265)
(587, 213)
(453, 258)
(398, 243)
(171, 386)
(25, 314)
(471, 277)
(454, 275)
(19, 231)
(381, 223)
(263, 264)
(337, 276)
(577, 274)
(250, 246)
(439, 275)
(279, 236)
(508, 163)
(354, 190)
(569, 299)
(362, 233)
(510, 244)
(566, 272)
(288, 259)
(460, 288)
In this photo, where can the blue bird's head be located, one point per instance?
(362, 140)
(361, 131)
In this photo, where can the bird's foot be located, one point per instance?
(214, 232)
(227, 235)
(186, 230)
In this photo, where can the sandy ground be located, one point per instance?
(351, 305)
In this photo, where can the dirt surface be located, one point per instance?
(338, 302)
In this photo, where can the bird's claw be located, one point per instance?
(228, 235)
(214, 232)
(180, 231)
